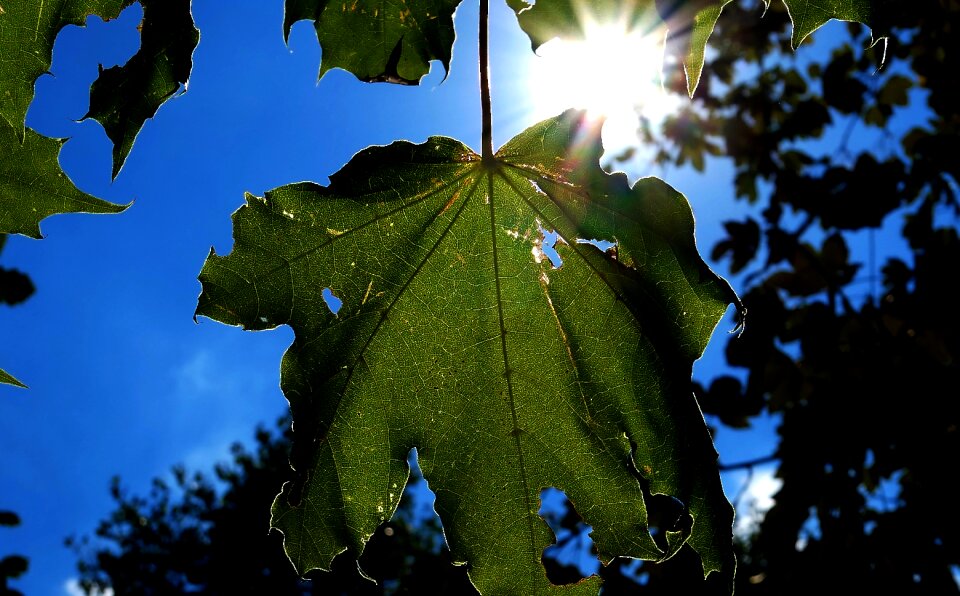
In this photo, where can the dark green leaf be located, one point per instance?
(10, 379)
(703, 22)
(377, 40)
(457, 336)
(689, 24)
(32, 185)
(124, 97)
(809, 15)
(547, 19)
(27, 31)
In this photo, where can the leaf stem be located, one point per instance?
(487, 130)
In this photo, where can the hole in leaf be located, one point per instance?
(333, 303)
(545, 247)
(604, 245)
(666, 515)
(417, 505)
(573, 556)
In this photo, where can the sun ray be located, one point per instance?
(613, 72)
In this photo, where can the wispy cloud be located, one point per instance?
(195, 376)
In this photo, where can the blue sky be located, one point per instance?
(123, 381)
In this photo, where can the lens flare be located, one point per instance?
(613, 73)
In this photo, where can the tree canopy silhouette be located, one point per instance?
(856, 351)
(211, 535)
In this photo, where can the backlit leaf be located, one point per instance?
(378, 40)
(32, 185)
(809, 15)
(688, 23)
(458, 337)
(28, 29)
(547, 19)
(124, 97)
(701, 24)
(10, 379)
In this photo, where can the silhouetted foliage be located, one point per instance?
(211, 536)
(11, 566)
(15, 287)
(858, 353)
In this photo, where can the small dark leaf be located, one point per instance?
(124, 97)
(841, 89)
(378, 41)
(13, 566)
(742, 243)
(727, 400)
(15, 287)
(895, 91)
(9, 519)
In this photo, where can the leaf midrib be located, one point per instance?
(508, 373)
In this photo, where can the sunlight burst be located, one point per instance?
(612, 73)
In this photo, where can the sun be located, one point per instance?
(613, 73)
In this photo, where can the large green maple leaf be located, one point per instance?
(456, 336)
(379, 40)
(122, 98)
